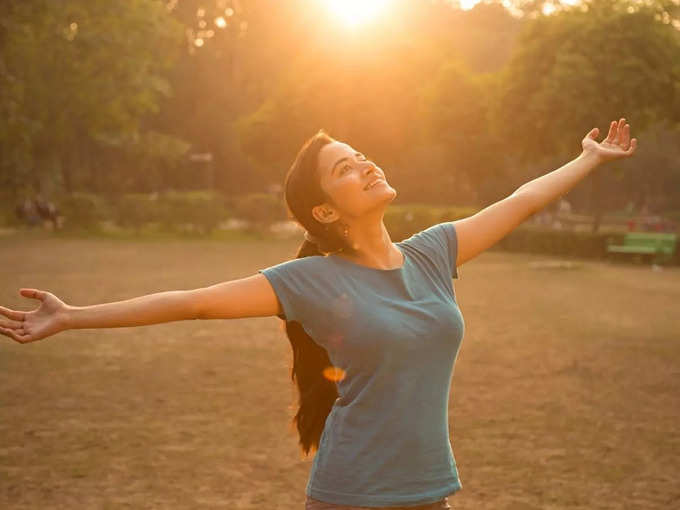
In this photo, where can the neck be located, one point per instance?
(372, 245)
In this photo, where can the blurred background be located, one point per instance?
(118, 115)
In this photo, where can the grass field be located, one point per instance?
(566, 392)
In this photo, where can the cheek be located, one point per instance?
(347, 195)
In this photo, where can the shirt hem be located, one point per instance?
(344, 498)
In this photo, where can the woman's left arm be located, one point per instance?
(482, 230)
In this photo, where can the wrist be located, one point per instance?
(592, 157)
(67, 317)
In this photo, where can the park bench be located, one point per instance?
(656, 246)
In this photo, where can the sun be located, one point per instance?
(355, 12)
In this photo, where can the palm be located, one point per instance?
(618, 143)
(42, 322)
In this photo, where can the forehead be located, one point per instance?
(332, 152)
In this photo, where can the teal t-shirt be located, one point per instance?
(396, 334)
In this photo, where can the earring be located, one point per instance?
(345, 230)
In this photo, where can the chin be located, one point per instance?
(388, 197)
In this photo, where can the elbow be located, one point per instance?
(192, 306)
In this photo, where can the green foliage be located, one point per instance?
(82, 210)
(456, 106)
(454, 112)
(76, 71)
(404, 220)
(583, 67)
(565, 243)
(133, 210)
(204, 210)
(260, 209)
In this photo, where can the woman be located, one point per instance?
(374, 325)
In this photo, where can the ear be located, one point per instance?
(324, 213)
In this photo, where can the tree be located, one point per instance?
(581, 68)
(84, 73)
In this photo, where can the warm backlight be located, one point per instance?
(356, 12)
(334, 373)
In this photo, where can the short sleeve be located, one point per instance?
(296, 284)
(441, 241)
(285, 292)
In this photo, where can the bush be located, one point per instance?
(260, 209)
(202, 209)
(83, 210)
(556, 242)
(8, 203)
(404, 220)
(133, 210)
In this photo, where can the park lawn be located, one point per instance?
(566, 392)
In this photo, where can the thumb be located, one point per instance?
(593, 133)
(33, 293)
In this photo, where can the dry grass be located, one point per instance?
(565, 394)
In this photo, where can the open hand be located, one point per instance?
(48, 319)
(617, 144)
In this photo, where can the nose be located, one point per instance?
(369, 168)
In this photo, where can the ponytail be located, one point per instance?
(316, 393)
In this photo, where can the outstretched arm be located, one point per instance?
(246, 297)
(172, 305)
(482, 230)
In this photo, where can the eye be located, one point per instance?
(344, 167)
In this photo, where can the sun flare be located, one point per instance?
(356, 12)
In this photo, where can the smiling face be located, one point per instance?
(354, 184)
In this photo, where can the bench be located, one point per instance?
(657, 246)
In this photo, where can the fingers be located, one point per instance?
(611, 136)
(16, 335)
(11, 324)
(13, 314)
(33, 293)
(619, 130)
(615, 129)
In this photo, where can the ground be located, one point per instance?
(566, 391)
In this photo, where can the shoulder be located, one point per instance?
(439, 236)
(438, 243)
(305, 269)
(310, 263)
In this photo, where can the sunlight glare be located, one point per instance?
(334, 373)
(355, 12)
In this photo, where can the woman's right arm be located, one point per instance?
(246, 297)
(252, 296)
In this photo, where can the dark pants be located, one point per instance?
(314, 504)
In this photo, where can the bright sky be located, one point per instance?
(354, 13)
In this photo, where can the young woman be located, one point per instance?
(374, 325)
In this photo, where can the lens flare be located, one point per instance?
(334, 373)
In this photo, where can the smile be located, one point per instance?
(371, 184)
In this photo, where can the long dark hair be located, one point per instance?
(302, 191)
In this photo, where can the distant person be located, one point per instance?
(374, 325)
(47, 211)
(27, 212)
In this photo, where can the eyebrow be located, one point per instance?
(343, 159)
